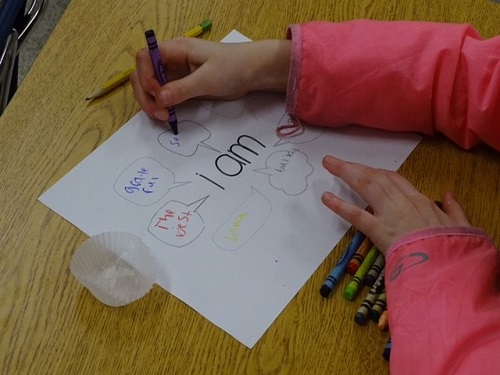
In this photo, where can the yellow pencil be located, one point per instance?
(198, 29)
(110, 84)
(124, 76)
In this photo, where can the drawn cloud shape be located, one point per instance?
(288, 171)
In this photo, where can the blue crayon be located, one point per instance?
(339, 269)
(387, 350)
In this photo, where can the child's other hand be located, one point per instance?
(398, 207)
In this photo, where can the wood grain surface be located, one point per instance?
(49, 324)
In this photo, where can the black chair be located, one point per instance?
(15, 23)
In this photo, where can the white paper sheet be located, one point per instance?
(231, 212)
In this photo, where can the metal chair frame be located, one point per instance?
(10, 51)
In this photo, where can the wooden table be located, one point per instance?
(49, 324)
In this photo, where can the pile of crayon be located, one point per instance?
(366, 264)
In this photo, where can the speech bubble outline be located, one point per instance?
(305, 135)
(228, 109)
(244, 222)
(288, 171)
(145, 181)
(178, 224)
(194, 136)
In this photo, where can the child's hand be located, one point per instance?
(198, 68)
(398, 208)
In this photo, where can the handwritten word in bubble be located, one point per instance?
(244, 223)
(145, 182)
(178, 224)
(193, 136)
(288, 171)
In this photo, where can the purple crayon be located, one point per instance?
(154, 52)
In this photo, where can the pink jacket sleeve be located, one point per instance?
(400, 76)
(443, 298)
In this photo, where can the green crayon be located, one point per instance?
(356, 281)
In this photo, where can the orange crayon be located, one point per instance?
(359, 256)
(383, 321)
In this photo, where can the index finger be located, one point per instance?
(145, 73)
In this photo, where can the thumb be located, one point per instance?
(454, 210)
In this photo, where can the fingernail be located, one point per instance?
(328, 159)
(327, 197)
(161, 115)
